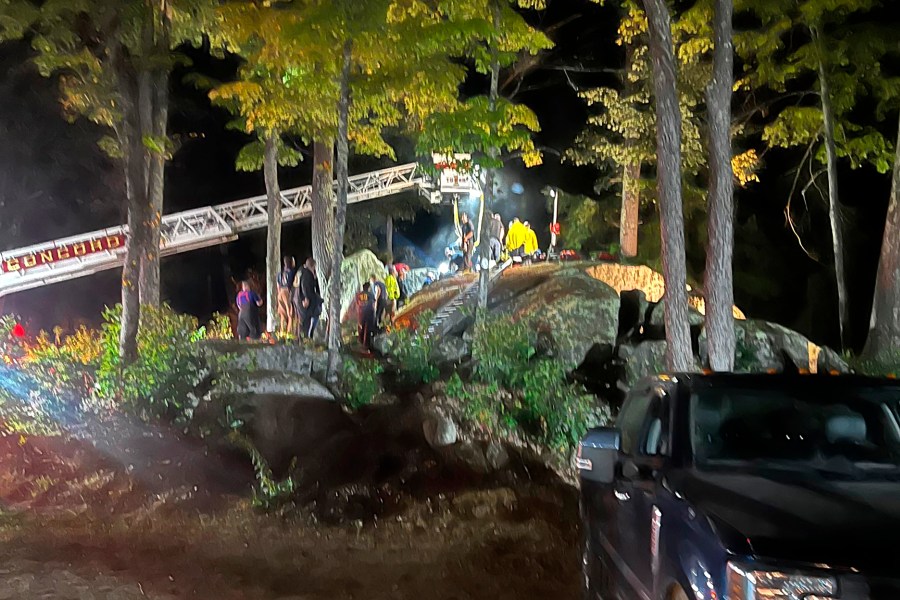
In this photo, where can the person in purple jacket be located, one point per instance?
(248, 303)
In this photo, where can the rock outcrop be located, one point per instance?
(764, 346)
(355, 271)
(567, 307)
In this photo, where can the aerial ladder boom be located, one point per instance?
(77, 256)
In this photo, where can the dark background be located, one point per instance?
(55, 182)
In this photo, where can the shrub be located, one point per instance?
(65, 364)
(218, 328)
(547, 409)
(554, 411)
(502, 351)
(411, 350)
(360, 381)
(24, 407)
(269, 493)
(169, 365)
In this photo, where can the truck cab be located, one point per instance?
(745, 487)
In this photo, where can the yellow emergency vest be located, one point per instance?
(515, 237)
(531, 243)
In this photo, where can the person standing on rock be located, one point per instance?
(365, 313)
(467, 237)
(378, 291)
(531, 243)
(515, 240)
(285, 305)
(392, 290)
(496, 231)
(310, 298)
(248, 303)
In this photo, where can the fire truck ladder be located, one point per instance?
(197, 228)
(452, 314)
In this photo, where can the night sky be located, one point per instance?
(55, 182)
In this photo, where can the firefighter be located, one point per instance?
(515, 240)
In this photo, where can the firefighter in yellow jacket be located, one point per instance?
(515, 240)
(531, 243)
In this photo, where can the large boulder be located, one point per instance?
(643, 359)
(763, 346)
(355, 271)
(658, 315)
(275, 383)
(449, 350)
(570, 308)
(240, 357)
(415, 279)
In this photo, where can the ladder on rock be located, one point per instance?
(77, 256)
(451, 314)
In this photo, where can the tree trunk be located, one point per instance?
(273, 237)
(719, 276)
(484, 246)
(630, 214)
(150, 277)
(834, 206)
(389, 239)
(679, 356)
(323, 248)
(340, 219)
(131, 141)
(631, 209)
(884, 327)
(135, 246)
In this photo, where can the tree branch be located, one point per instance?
(787, 208)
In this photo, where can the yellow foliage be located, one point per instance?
(745, 166)
(632, 25)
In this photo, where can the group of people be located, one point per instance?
(521, 241)
(518, 241)
(377, 303)
(299, 302)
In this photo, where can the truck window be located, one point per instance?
(632, 418)
(656, 430)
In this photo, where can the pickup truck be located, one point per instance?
(745, 487)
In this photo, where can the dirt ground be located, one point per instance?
(78, 526)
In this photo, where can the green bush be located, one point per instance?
(502, 351)
(554, 411)
(538, 400)
(218, 328)
(25, 409)
(411, 352)
(170, 364)
(360, 381)
(269, 493)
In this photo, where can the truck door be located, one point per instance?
(639, 513)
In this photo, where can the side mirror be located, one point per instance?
(598, 454)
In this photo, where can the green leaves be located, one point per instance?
(474, 127)
(782, 57)
(250, 158)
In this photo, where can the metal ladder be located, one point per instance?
(452, 313)
(81, 255)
